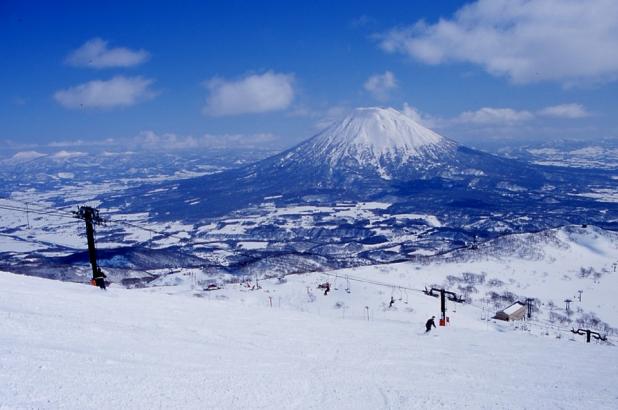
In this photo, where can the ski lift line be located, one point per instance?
(372, 282)
(27, 208)
(111, 268)
(176, 269)
(41, 207)
(33, 211)
(164, 234)
(550, 326)
(62, 213)
(543, 322)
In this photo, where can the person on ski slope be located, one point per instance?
(429, 324)
(99, 278)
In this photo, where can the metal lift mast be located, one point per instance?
(91, 217)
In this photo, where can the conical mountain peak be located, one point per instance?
(380, 139)
(383, 132)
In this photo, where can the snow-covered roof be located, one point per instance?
(514, 308)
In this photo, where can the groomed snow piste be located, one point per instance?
(67, 345)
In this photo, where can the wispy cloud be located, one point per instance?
(63, 155)
(496, 116)
(572, 111)
(422, 118)
(151, 140)
(380, 85)
(488, 115)
(116, 92)
(255, 93)
(95, 53)
(495, 123)
(527, 41)
(330, 115)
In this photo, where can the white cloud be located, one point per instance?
(118, 91)
(23, 156)
(81, 143)
(488, 115)
(573, 111)
(509, 116)
(412, 112)
(96, 54)
(380, 85)
(424, 119)
(62, 155)
(254, 93)
(567, 41)
(331, 115)
(323, 116)
(150, 140)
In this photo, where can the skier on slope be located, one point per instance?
(326, 288)
(390, 305)
(429, 324)
(99, 278)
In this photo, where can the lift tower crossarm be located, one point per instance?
(588, 334)
(442, 294)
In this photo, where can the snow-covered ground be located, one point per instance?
(589, 157)
(67, 345)
(549, 266)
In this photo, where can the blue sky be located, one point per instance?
(260, 73)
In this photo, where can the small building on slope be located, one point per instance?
(516, 311)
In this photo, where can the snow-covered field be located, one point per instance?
(67, 345)
(549, 266)
(585, 157)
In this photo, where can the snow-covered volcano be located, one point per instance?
(380, 139)
(371, 153)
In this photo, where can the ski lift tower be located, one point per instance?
(443, 294)
(91, 217)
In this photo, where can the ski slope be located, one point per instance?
(67, 345)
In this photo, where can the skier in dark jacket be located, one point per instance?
(99, 278)
(326, 288)
(390, 305)
(429, 324)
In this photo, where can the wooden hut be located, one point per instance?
(516, 311)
